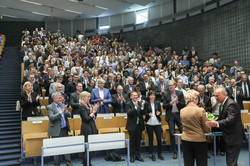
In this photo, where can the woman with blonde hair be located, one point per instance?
(193, 137)
(88, 115)
(29, 101)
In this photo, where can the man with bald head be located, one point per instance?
(129, 87)
(161, 89)
(119, 100)
(230, 123)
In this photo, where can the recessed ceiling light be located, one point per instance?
(43, 14)
(101, 7)
(72, 11)
(34, 3)
(6, 15)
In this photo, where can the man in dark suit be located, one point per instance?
(161, 89)
(230, 123)
(74, 99)
(235, 93)
(111, 84)
(135, 125)
(129, 87)
(245, 85)
(204, 100)
(137, 78)
(48, 79)
(71, 86)
(173, 102)
(58, 122)
(146, 85)
(118, 100)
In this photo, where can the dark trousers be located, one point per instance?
(63, 133)
(135, 141)
(232, 154)
(174, 119)
(158, 133)
(194, 151)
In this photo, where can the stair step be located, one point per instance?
(5, 146)
(10, 128)
(14, 150)
(10, 132)
(14, 161)
(7, 141)
(9, 124)
(9, 156)
(9, 113)
(10, 136)
(9, 117)
(9, 120)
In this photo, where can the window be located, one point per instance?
(141, 16)
(104, 27)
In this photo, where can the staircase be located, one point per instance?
(10, 119)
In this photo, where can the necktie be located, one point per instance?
(121, 103)
(137, 121)
(221, 107)
(245, 90)
(162, 87)
(62, 119)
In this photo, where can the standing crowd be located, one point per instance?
(91, 74)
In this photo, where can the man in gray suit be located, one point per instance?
(74, 99)
(52, 87)
(58, 122)
(161, 89)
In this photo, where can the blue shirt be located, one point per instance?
(63, 121)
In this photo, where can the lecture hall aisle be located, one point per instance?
(10, 122)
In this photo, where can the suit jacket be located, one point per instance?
(126, 88)
(108, 86)
(27, 106)
(248, 84)
(231, 124)
(132, 116)
(193, 120)
(207, 102)
(55, 120)
(166, 103)
(47, 84)
(107, 97)
(144, 88)
(74, 102)
(239, 97)
(158, 91)
(117, 106)
(88, 126)
(148, 109)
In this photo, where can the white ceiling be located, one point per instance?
(56, 8)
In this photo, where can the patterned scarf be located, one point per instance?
(90, 109)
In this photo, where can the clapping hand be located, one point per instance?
(38, 97)
(150, 114)
(64, 108)
(158, 113)
(96, 105)
(142, 103)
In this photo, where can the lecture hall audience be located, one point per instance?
(112, 71)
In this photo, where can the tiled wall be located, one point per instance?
(225, 30)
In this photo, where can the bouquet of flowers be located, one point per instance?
(211, 116)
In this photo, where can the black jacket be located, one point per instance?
(148, 109)
(132, 116)
(88, 124)
(27, 106)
